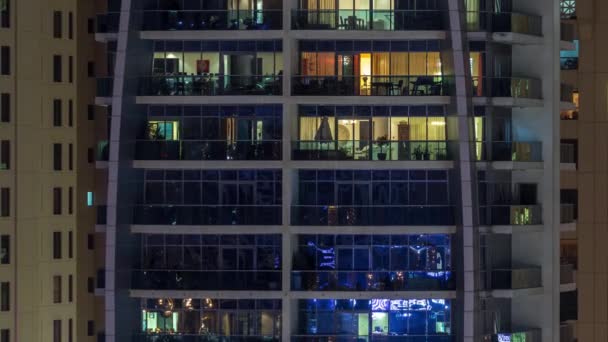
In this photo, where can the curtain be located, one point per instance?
(380, 63)
(418, 129)
(433, 61)
(472, 16)
(399, 63)
(436, 129)
(418, 63)
(310, 125)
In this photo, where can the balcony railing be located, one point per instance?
(565, 92)
(514, 278)
(504, 22)
(102, 152)
(533, 335)
(568, 63)
(242, 280)
(515, 215)
(372, 281)
(108, 22)
(566, 274)
(517, 151)
(367, 338)
(207, 150)
(210, 85)
(212, 20)
(370, 150)
(566, 213)
(207, 214)
(173, 337)
(567, 333)
(101, 214)
(379, 20)
(105, 86)
(373, 85)
(567, 153)
(516, 87)
(381, 215)
(567, 32)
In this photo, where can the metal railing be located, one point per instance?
(568, 63)
(367, 338)
(319, 280)
(566, 274)
(504, 22)
(566, 213)
(241, 280)
(513, 278)
(408, 85)
(518, 87)
(210, 85)
(207, 214)
(372, 215)
(519, 151)
(208, 337)
(207, 150)
(567, 153)
(378, 20)
(511, 215)
(197, 20)
(370, 150)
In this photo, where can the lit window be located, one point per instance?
(89, 198)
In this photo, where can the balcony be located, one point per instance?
(515, 278)
(108, 22)
(242, 280)
(567, 332)
(210, 85)
(373, 85)
(387, 215)
(166, 337)
(105, 86)
(527, 335)
(207, 215)
(372, 281)
(371, 150)
(567, 274)
(568, 63)
(566, 213)
(368, 20)
(516, 87)
(510, 215)
(367, 338)
(208, 20)
(207, 150)
(504, 22)
(516, 151)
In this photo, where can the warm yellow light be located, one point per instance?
(437, 123)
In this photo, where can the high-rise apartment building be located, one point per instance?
(584, 172)
(45, 220)
(324, 170)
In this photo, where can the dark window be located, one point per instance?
(91, 69)
(5, 335)
(57, 112)
(5, 107)
(71, 69)
(57, 330)
(90, 285)
(70, 157)
(57, 201)
(56, 289)
(70, 288)
(57, 69)
(5, 202)
(71, 25)
(70, 330)
(70, 113)
(57, 23)
(57, 157)
(56, 245)
(70, 200)
(5, 14)
(5, 58)
(5, 155)
(70, 244)
(5, 296)
(90, 112)
(90, 328)
(90, 155)
(91, 241)
(91, 25)
(5, 249)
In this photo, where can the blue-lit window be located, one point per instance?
(90, 199)
(210, 197)
(569, 59)
(424, 318)
(260, 319)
